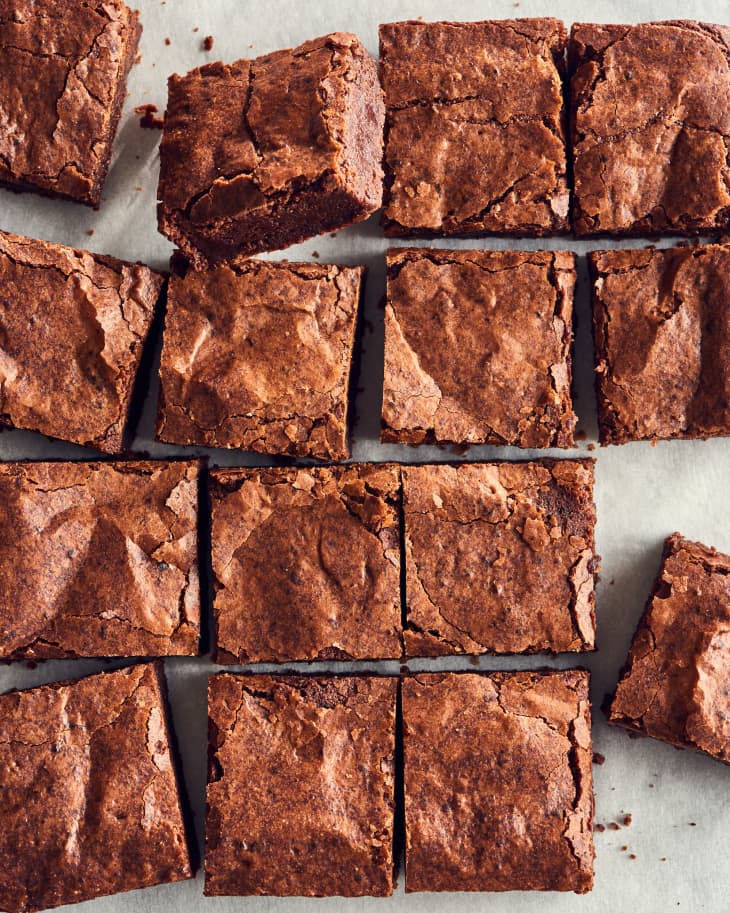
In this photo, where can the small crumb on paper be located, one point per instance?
(598, 758)
(208, 43)
(149, 120)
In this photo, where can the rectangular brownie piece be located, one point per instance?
(478, 347)
(475, 128)
(72, 328)
(89, 799)
(63, 75)
(306, 563)
(261, 154)
(500, 557)
(259, 356)
(661, 320)
(498, 782)
(674, 686)
(650, 127)
(99, 559)
(301, 786)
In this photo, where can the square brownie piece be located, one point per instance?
(478, 347)
(72, 328)
(475, 136)
(63, 77)
(500, 557)
(674, 686)
(498, 783)
(99, 559)
(661, 321)
(258, 357)
(301, 786)
(89, 798)
(306, 563)
(260, 154)
(650, 128)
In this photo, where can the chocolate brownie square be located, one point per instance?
(650, 128)
(258, 357)
(260, 154)
(89, 799)
(478, 347)
(63, 76)
(674, 686)
(475, 135)
(301, 786)
(306, 563)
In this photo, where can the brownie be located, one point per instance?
(498, 782)
(499, 557)
(260, 154)
(650, 128)
(99, 559)
(72, 328)
(475, 134)
(63, 76)
(89, 798)
(306, 563)
(258, 357)
(301, 786)
(478, 347)
(674, 686)
(661, 321)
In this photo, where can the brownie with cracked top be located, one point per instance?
(261, 154)
(478, 347)
(650, 128)
(499, 557)
(259, 356)
(674, 686)
(306, 563)
(475, 133)
(63, 75)
(72, 329)
(498, 782)
(661, 321)
(300, 786)
(89, 797)
(109, 559)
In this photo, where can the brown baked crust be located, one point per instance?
(99, 559)
(306, 563)
(90, 800)
(260, 154)
(301, 786)
(468, 150)
(650, 128)
(72, 328)
(674, 685)
(63, 76)
(500, 557)
(478, 347)
(258, 357)
(498, 782)
(661, 322)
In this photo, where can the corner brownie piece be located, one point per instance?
(63, 75)
(258, 357)
(301, 786)
(99, 559)
(650, 128)
(72, 328)
(89, 799)
(260, 154)
(661, 320)
(478, 347)
(674, 686)
(475, 135)
(498, 783)
(499, 557)
(306, 563)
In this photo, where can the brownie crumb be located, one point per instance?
(632, 855)
(623, 849)
(693, 824)
(614, 826)
(600, 828)
(196, 29)
(663, 859)
(168, 42)
(598, 758)
(148, 118)
(90, 232)
(591, 447)
(208, 43)
(315, 254)
(138, 59)
(627, 820)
